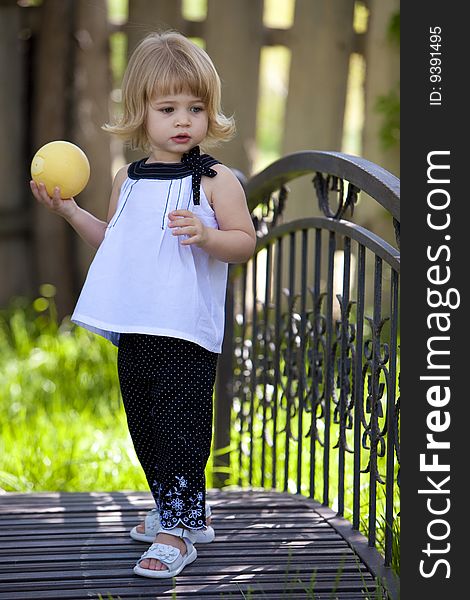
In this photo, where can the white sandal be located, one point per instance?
(170, 556)
(153, 527)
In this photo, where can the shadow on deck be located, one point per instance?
(268, 545)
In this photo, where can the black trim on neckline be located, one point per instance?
(192, 163)
(141, 170)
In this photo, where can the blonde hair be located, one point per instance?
(168, 63)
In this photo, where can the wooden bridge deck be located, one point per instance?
(268, 545)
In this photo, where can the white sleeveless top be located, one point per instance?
(142, 280)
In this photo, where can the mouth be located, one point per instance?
(181, 138)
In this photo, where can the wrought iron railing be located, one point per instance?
(307, 386)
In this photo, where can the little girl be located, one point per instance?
(156, 287)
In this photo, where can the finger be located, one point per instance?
(195, 239)
(175, 214)
(34, 189)
(43, 193)
(181, 222)
(40, 193)
(189, 230)
(56, 199)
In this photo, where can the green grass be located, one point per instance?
(63, 425)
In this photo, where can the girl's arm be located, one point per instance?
(88, 227)
(235, 240)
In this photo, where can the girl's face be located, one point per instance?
(175, 124)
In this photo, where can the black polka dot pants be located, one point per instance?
(167, 386)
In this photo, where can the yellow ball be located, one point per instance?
(61, 164)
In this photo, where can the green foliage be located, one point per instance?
(388, 105)
(118, 10)
(118, 55)
(394, 29)
(63, 426)
(194, 10)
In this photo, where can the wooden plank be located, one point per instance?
(257, 542)
(267, 519)
(243, 537)
(127, 498)
(119, 593)
(217, 513)
(222, 522)
(167, 593)
(117, 588)
(191, 573)
(191, 578)
(210, 564)
(80, 548)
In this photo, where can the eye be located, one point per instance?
(167, 109)
(197, 109)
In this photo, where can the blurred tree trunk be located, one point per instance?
(91, 98)
(234, 36)
(144, 18)
(382, 78)
(72, 84)
(147, 17)
(15, 264)
(321, 41)
(53, 76)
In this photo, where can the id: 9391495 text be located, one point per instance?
(435, 66)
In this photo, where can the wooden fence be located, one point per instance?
(55, 67)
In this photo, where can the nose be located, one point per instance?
(182, 119)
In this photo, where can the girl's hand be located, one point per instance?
(185, 222)
(64, 208)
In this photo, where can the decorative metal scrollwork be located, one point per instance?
(316, 356)
(289, 349)
(343, 348)
(396, 428)
(301, 369)
(376, 356)
(324, 185)
(270, 211)
(396, 226)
